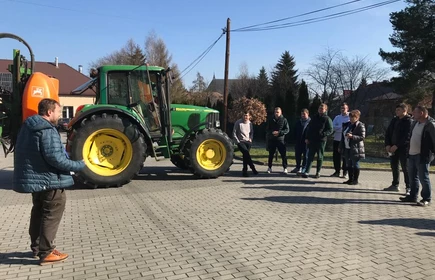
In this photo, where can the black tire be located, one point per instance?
(222, 160)
(180, 162)
(111, 127)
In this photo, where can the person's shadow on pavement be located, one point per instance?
(23, 258)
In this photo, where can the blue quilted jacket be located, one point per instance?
(40, 161)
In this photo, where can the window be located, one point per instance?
(67, 112)
(118, 88)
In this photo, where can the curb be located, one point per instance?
(326, 167)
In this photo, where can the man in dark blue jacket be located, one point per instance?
(277, 128)
(42, 167)
(301, 146)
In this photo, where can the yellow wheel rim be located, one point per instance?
(107, 152)
(211, 154)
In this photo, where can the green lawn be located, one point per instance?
(261, 155)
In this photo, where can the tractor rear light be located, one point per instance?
(79, 108)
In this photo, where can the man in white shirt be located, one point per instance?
(420, 155)
(339, 120)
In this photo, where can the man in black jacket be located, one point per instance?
(318, 130)
(421, 152)
(277, 128)
(396, 142)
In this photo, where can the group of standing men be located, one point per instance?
(409, 141)
(311, 136)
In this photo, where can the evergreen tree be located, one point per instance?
(130, 54)
(314, 107)
(263, 85)
(284, 85)
(303, 97)
(414, 37)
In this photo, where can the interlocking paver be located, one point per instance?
(171, 226)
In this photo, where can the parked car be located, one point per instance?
(62, 124)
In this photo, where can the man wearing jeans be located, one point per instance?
(339, 161)
(421, 149)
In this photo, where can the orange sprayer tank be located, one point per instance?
(38, 87)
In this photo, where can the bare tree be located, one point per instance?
(322, 75)
(199, 85)
(350, 73)
(332, 74)
(158, 54)
(244, 85)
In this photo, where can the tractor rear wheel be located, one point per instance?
(112, 148)
(209, 153)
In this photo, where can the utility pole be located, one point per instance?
(227, 65)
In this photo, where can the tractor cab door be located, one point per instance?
(143, 89)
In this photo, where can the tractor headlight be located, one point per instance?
(218, 123)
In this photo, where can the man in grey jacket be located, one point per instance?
(42, 167)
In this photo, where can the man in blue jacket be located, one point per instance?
(42, 167)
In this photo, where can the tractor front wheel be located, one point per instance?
(210, 153)
(113, 150)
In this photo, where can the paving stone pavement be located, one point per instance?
(167, 225)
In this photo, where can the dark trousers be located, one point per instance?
(245, 147)
(280, 145)
(47, 211)
(352, 162)
(313, 149)
(339, 162)
(399, 156)
(301, 155)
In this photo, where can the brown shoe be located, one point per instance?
(54, 257)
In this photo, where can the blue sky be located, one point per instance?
(81, 31)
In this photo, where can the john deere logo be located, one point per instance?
(107, 150)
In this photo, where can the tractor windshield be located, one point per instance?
(139, 89)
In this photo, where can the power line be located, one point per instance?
(193, 64)
(296, 16)
(319, 19)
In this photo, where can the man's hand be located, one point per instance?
(307, 142)
(349, 136)
(393, 148)
(388, 148)
(275, 133)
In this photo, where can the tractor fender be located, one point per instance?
(194, 129)
(112, 110)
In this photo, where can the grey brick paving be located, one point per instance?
(164, 225)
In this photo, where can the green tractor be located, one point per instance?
(133, 119)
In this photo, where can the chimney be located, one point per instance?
(56, 62)
(81, 69)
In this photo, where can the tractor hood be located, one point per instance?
(191, 108)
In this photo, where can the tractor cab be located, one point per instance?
(142, 89)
